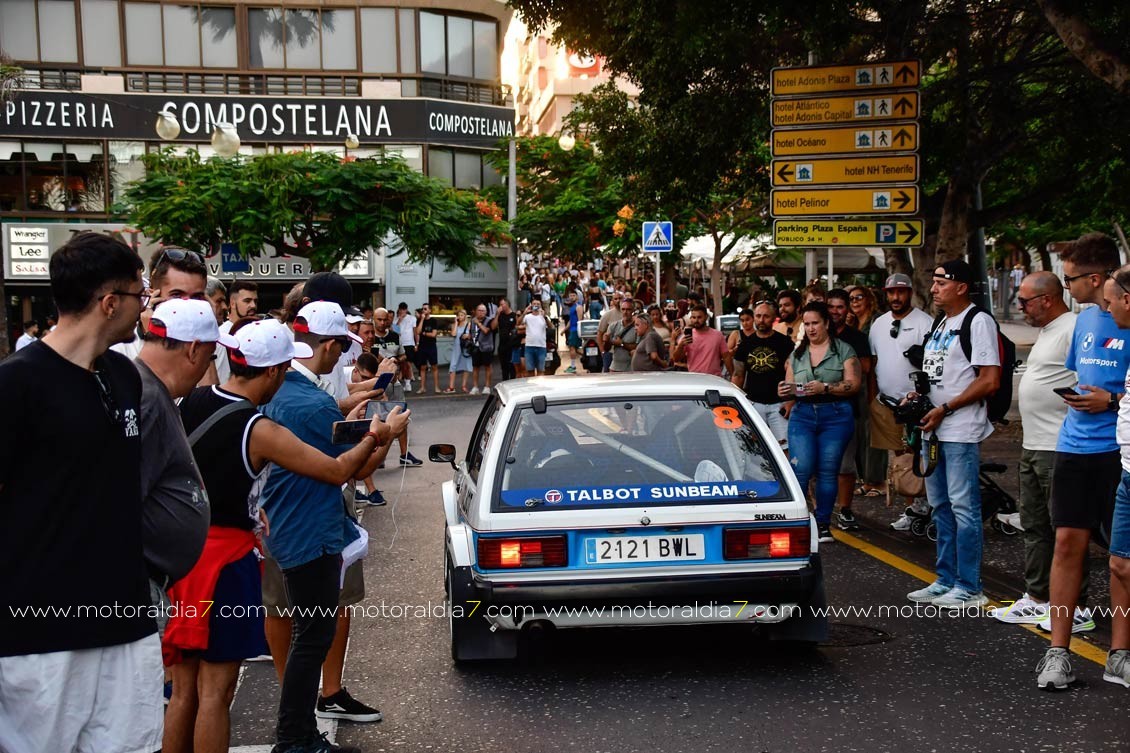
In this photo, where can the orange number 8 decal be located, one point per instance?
(727, 418)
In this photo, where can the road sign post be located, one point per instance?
(658, 238)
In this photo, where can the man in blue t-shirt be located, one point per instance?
(1087, 466)
(573, 339)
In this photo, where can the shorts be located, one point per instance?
(535, 358)
(410, 351)
(573, 340)
(1083, 489)
(517, 355)
(94, 700)
(274, 587)
(847, 463)
(235, 625)
(479, 358)
(1120, 525)
(427, 355)
(885, 433)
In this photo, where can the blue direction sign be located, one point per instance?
(231, 260)
(658, 237)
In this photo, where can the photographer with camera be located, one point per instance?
(891, 336)
(822, 377)
(959, 387)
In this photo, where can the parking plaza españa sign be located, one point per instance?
(891, 137)
(846, 170)
(658, 237)
(896, 105)
(817, 202)
(837, 233)
(835, 78)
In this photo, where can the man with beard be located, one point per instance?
(788, 315)
(837, 301)
(759, 365)
(891, 336)
(243, 303)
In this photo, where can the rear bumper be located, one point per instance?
(692, 599)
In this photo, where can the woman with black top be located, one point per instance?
(822, 378)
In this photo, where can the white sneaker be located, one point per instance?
(474, 391)
(408, 386)
(1023, 611)
(902, 524)
(929, 593)
(1081, 622)
(1010, 519)
(959, 598)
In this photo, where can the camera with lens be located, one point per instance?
(911, 411)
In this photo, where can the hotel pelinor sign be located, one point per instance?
(64, 114)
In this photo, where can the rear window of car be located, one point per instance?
(634, 453)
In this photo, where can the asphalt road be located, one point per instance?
(891, 682)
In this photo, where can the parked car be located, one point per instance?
(615, 500)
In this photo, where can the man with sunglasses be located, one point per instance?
(70, 521)
(892, 334)
(1087, 467)
(1042, 413)
(173, 273)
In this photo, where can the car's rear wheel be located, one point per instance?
(468, 629)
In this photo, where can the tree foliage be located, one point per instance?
(310, 204)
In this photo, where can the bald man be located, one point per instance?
(1040, 297)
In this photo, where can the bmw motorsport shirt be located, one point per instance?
(1099, 355)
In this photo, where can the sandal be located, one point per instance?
(873, 493)
(449, 392)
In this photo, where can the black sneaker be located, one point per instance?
(409, 460)
(320, 744)
(372, 499)
(845, 520)
(341, 705)
(824, 534)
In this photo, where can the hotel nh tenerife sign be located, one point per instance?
(65, 114)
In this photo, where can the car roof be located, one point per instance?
(605, 386)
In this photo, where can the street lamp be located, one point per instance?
(351, 141)
(225, 140)
(566, 142)
(167, 126)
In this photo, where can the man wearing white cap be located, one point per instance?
(309, 525)
(235, 445)
(892, 334)
(180, 347)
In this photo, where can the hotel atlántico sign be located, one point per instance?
(63, 114)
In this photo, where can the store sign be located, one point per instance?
(303, 120)
(28, 248)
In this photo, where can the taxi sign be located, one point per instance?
(892, 137)
(821, 172)
(835, 78)
(864, 107)
(844, 201)
(838, 233)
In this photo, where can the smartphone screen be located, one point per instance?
(383, 408)
(349, 432)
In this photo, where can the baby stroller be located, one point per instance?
(996, 504)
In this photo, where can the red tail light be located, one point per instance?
(542, 551)
(762, 543)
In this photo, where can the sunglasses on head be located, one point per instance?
(178, 254)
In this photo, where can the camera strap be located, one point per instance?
(914, 440)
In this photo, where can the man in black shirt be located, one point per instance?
(88, 676)
(837, 300)
(427, 352)
(759, 365)
(506, 324)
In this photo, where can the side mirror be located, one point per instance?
(442, 453)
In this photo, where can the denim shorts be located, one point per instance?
(1120, 525)
(535, 358)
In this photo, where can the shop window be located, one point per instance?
(58, 42)
(101, 35)
(11, 177)
(407, 41)
(125, 165)
(16, 17)
(413, 155)
(441, 165)
(378, 40)
(62, 178)
(468, 170)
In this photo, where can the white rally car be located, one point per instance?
(612, 500)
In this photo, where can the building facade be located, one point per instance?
(420, 80)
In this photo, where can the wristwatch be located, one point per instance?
(1113, 404)
(827, 388)
(948, 410)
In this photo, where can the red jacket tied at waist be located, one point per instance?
(191, 595)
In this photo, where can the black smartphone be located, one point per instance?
(384, 379)
(688, 331)
(1065, 391)
(382, 408)
(350, 432)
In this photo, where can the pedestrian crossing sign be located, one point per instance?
(658, 237)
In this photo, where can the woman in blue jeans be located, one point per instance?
(822, 378)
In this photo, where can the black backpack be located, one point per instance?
(999, 402)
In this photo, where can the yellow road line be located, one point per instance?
(1079, 646)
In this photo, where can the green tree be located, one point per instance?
(310, 204)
